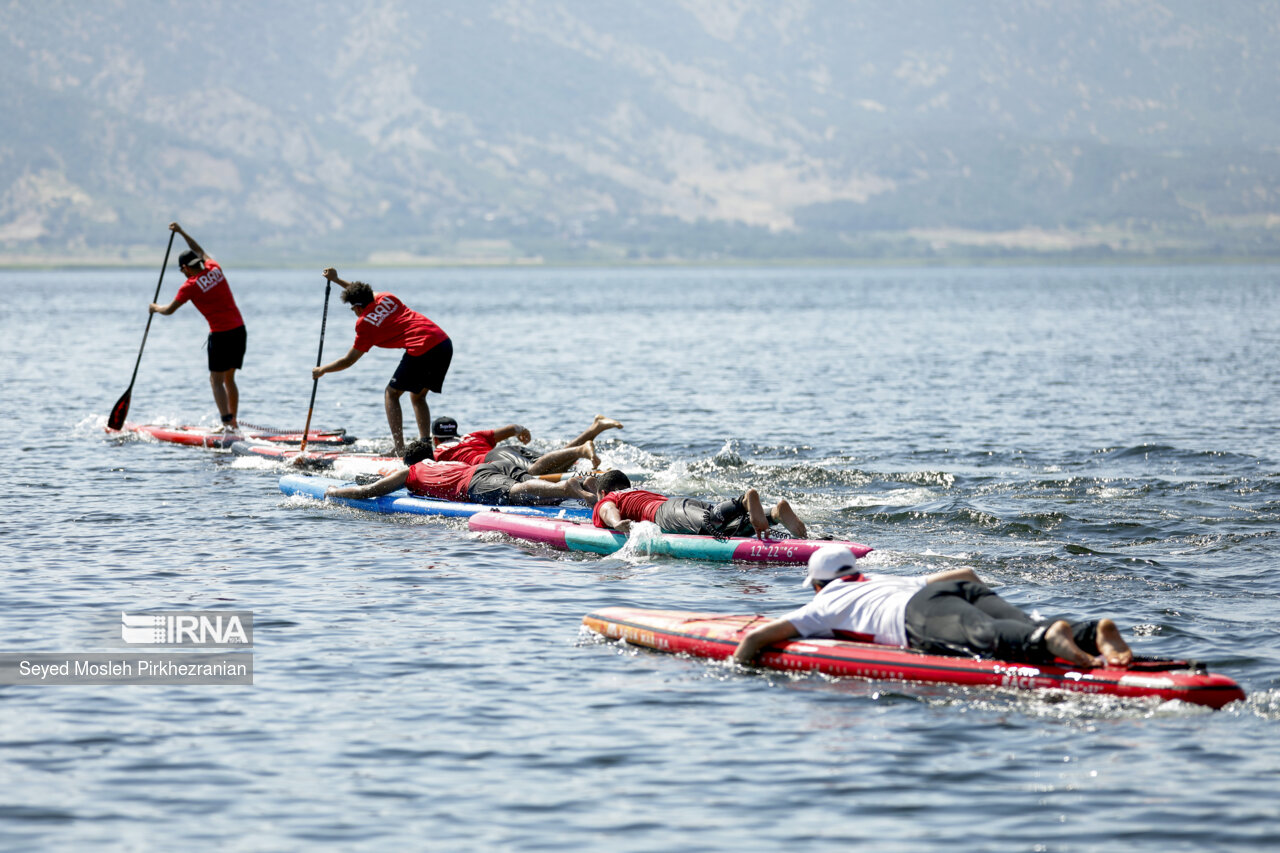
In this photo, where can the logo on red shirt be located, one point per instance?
(385, 307)
(212, 278)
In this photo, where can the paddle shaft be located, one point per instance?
(315, 383)
(150, 316)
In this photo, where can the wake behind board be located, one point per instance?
(342, 464)
(401, 501)
(571, 536)
(339, 463)
(714, 636)
(199, 436)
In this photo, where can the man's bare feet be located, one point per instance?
(1060, 643)
(785, 514)
(602, 423)
(574, 486)
(755, 511)
(588, 451)
(1112, 646)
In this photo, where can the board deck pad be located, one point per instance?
(713, 636)
(571, 536)
(401, 501)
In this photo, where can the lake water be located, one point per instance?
(1088, 440)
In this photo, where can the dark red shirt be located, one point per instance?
(445, 480)
(472, 449)
(632, 504)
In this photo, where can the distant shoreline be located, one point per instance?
(27, 262)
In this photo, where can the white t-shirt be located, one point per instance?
(876, 607)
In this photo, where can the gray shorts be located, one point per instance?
(491, 482)
(516, 453)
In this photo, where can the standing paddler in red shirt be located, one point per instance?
(385, 321)
(206, 287)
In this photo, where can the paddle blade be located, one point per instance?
(120, 410)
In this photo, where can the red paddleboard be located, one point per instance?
(708, 635)
(199, 436)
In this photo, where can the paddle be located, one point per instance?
(121, 408)
(315, 383)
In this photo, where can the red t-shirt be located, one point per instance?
(472, 449)
(211, 294)
(632, 504)
(445, 480)
(386, 322)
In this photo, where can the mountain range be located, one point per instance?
(582, 130)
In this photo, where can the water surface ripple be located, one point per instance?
(1087, 439)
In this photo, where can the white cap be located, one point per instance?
(830, 561)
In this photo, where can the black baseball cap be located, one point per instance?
(445, 427)
(190, 258)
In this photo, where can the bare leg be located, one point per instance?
(786, 516)
(536, 488)
(395, 420)
(559, 461)
(599, 425)
(1061, 644)
(1112, 646)
(233, 395)
(755, 511)
(218, 381)
(421, 413)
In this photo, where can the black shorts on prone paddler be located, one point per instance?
(491, 482)
(226, 349)
(425, 372)
(699, 518)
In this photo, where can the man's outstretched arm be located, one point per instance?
(512, 431)
(353, 355)
(953, 575)
(191, 242)
(766, 635)
(385, 486)
(332, 275)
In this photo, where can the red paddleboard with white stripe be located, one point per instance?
(199, 436)
(713, 636)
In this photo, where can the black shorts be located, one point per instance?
(425, 372)
(491, 482)
(226, 349)
(689, 515)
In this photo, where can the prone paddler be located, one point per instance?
(206, 287)
(383, 320)
(487, 445)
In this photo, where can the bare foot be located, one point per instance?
(755, 511)
(1112, 645)
(575, 488)
(1061, 644)
(790, 520)
(602, 423)
(588, 451)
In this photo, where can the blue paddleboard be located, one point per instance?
(403, 502)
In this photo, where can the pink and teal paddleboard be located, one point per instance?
(574, 536)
